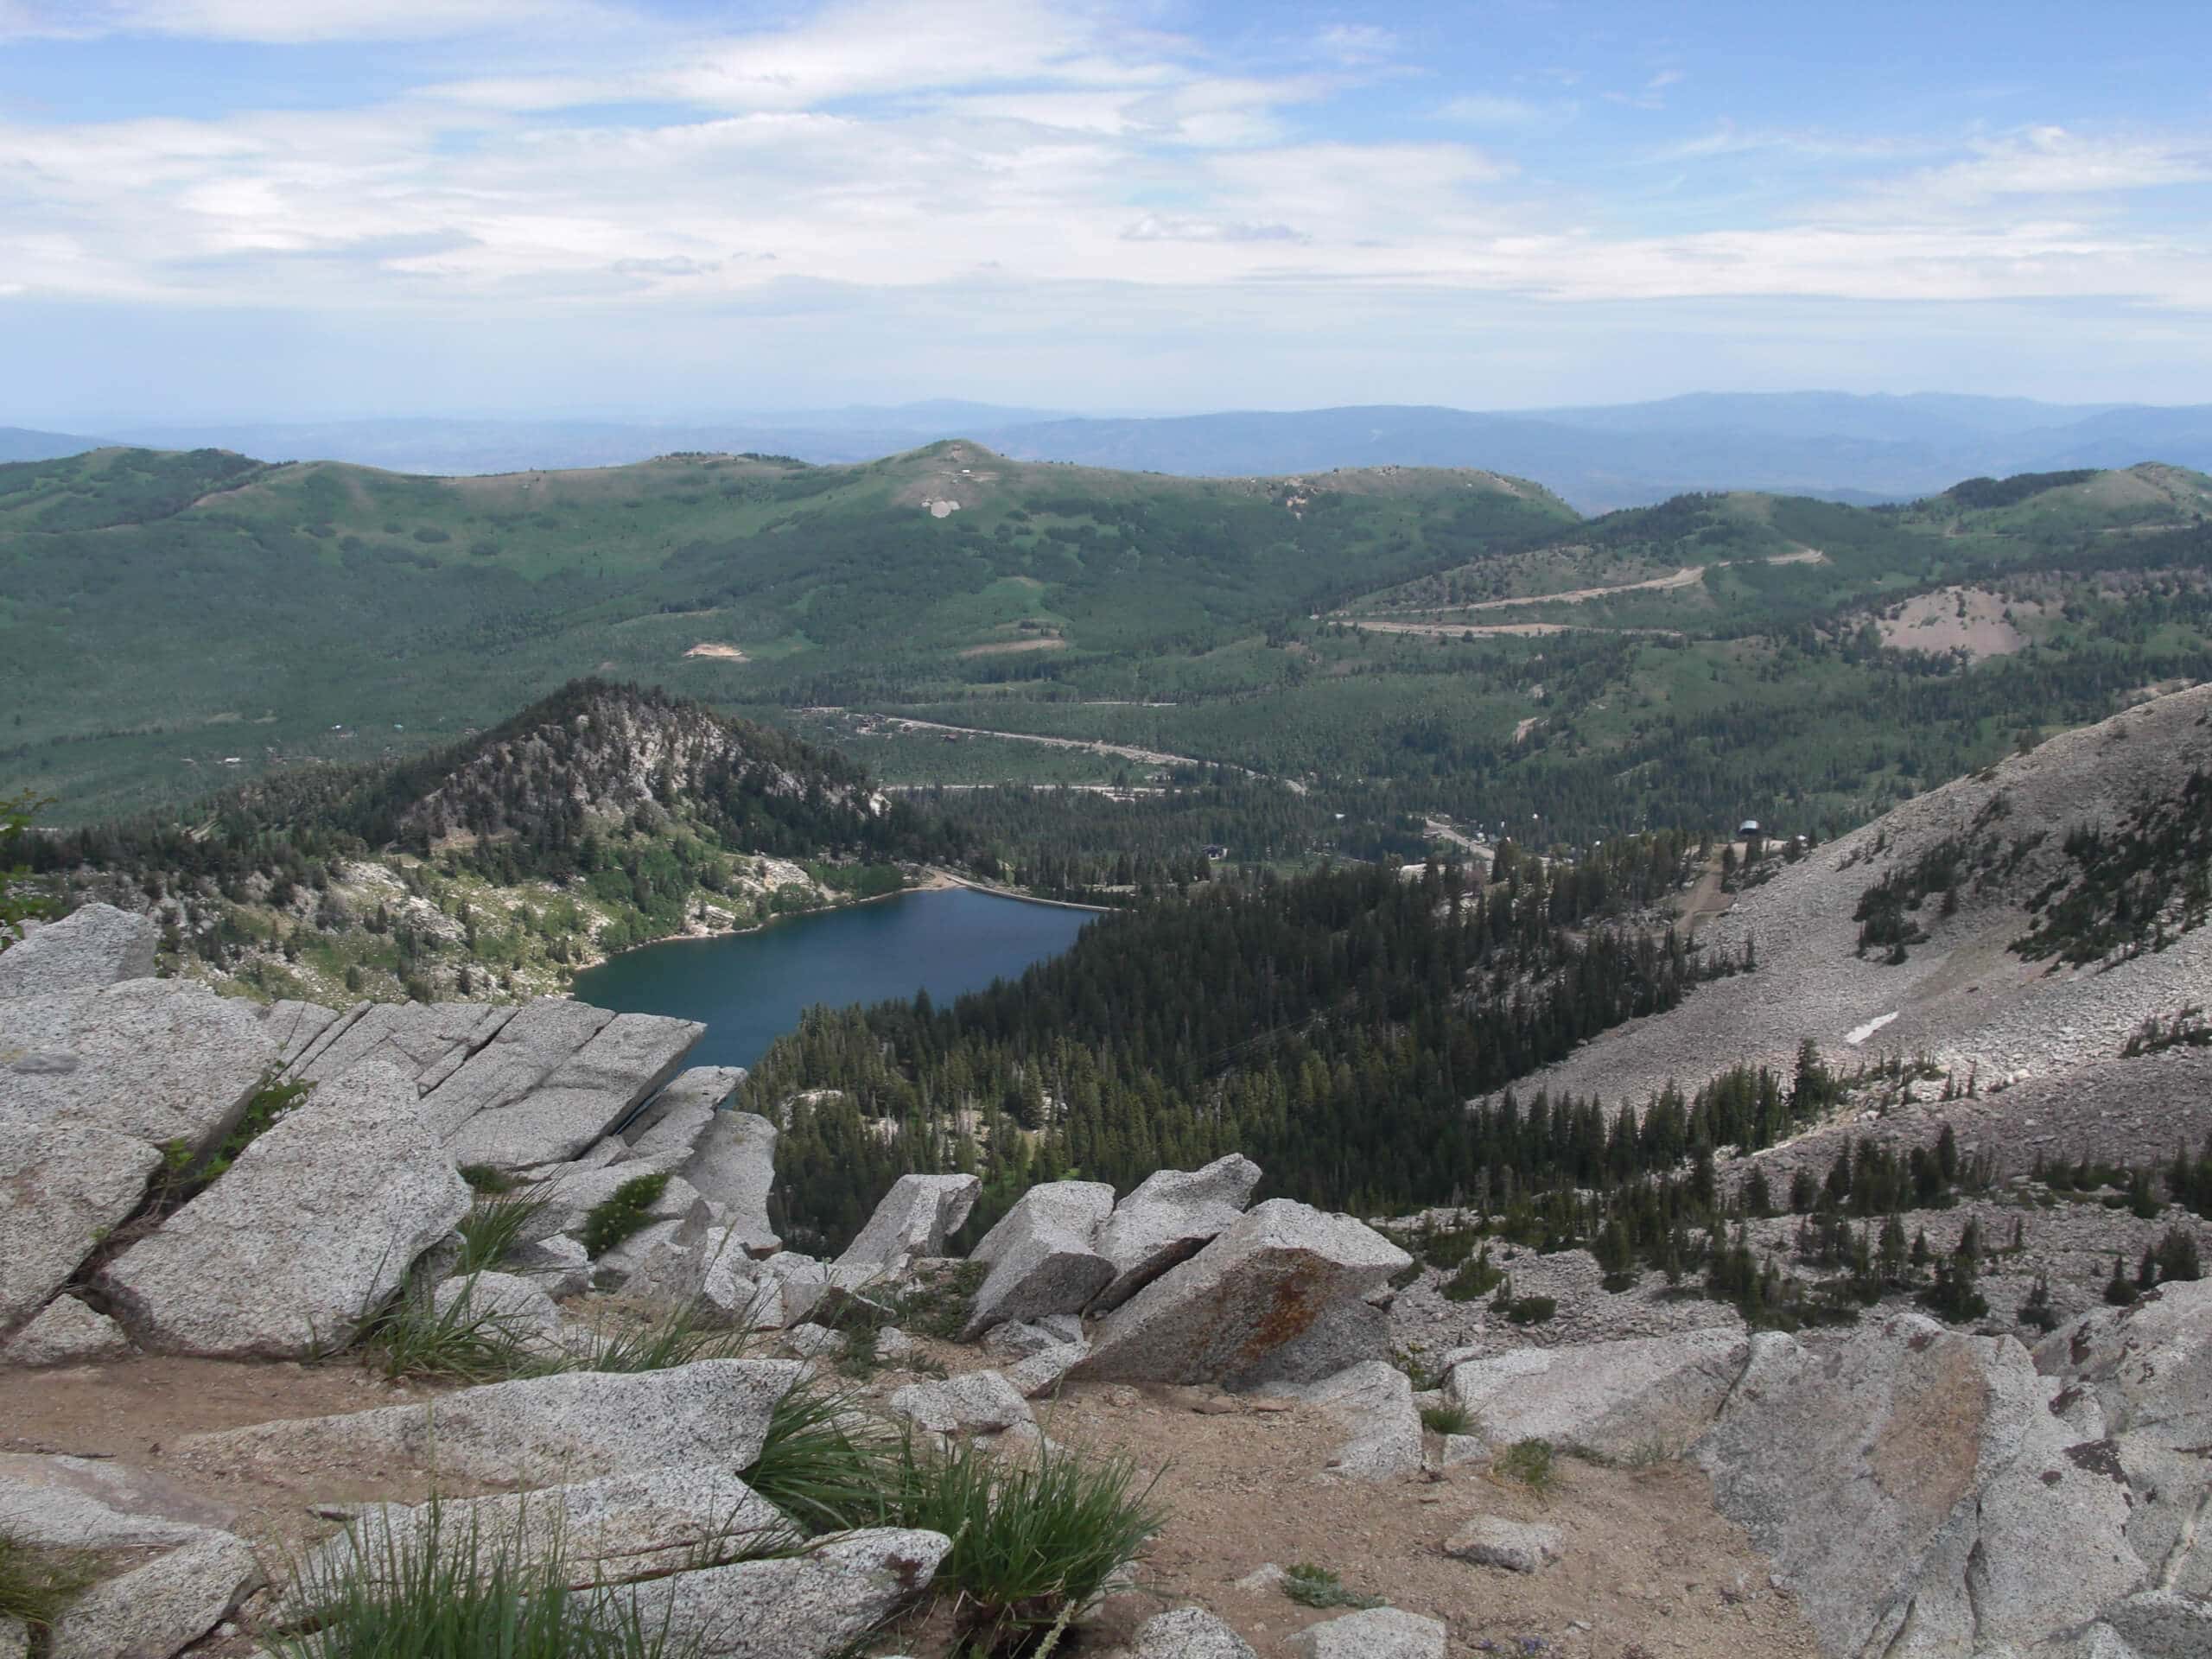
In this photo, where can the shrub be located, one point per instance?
(622, 1212)
(1316, 1587)
(1530, 1310)
(490, 1231)
(941, 1308)
(1447, 1419)
(2174, 1257)
(486, 1177)
(431, 1596)
(2120, 1290)
(1476, 1279)
(1529, 1462)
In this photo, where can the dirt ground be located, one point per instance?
(1649, 1567)
(1650, 1570)
(1972, 620)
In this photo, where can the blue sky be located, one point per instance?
(242, 208)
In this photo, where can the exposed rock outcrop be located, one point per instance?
(1171, 1217)
(914, 1219)
(1265, 1283)
(88, 950)
(1374, 1404)
(806, 1606)
(572, 1426)
(1042, 1254)
(1648, 1395)
(312, 1228)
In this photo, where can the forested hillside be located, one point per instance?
(598, 817)
(1330, 1027)
(1307, 665)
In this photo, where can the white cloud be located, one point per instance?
(1492, 109)
(289, 22)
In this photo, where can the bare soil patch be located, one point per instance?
(1008, 647)
(719, 652)
(1649, 1565)
(1980, 623)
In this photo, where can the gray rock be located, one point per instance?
(1462, 1448)
(293, 1025)
(733, 1164)
(425, 1042)
(581, 1100)
(156, 1059)
(894, 1347)
(15, 1639)
(1019, 1339)
(1516, 1546)
(1857, 1463)
(1344, 1334)
(1638, 1396)
(1144, 1240)
(807, 1606)
(806, 1284)
(64, 1186)
(1229, 1180)
(609, 1531)
(715, 1274)
(153, 1611)
(2163, 1624)
(976, 1402)
(1042, 1372)
(1379, 1633)
(1171, 1215)
(65, 1332)
(574, 1426)
(517, 1306)
(1374, 1402)
(559, 1265)
(674, 1117)
(311, 1229)
(914, 1219)
(1042, 1254)
(299, 1052)
(1266, 1282)
(90, 949)
(76, 1503)
(814, 1341)
(540, 1037)
(1189, 1633)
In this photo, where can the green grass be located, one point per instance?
(413, 1337)
(683, 1334)
(433, 1596)
(625, 1210)
(1034, 1538)
(1530, 1462)
(1317, 1586)
(828, 1467)
(1447, 1419)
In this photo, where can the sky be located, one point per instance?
(312, 209)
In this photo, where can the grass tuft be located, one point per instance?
(436, 1595)
(1031, 1538)
(684, 1333)
(1530, 1462)
(492, 1231)
(1316, 1587)
(826, 1467)
(1447, 1419)
(622, 1212)
(35, 1584)
(487, 1179)
(411, 1335)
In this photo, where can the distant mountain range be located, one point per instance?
(1840, 445)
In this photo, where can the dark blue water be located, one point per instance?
(749, 988)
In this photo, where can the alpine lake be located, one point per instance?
(749, 989)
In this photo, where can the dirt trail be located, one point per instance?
(1120, 751)
(1461, 630)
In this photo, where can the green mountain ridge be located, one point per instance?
(171, 621)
